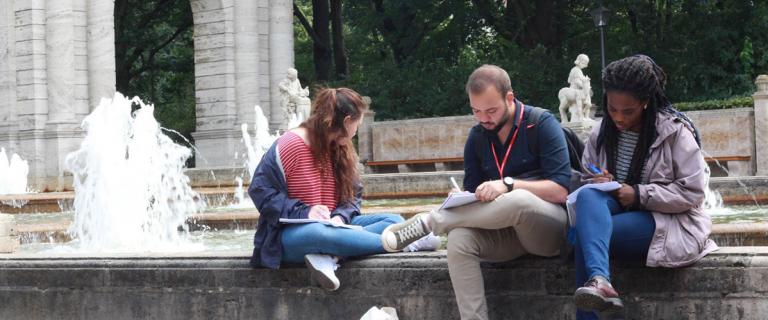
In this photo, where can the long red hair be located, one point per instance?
(325, 125)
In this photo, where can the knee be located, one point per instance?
(590, 196)
(462, 241)
(520, 198)
(392, 218)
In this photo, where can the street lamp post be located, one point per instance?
(600, 16)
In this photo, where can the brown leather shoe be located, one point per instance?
(598, 295)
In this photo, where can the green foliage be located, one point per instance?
(417, 65)
(738, 102)
(413, 57)
(155, 59)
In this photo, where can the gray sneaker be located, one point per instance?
(398, 236)
(322, 267)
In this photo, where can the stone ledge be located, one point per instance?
(729, 284)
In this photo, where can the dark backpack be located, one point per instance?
(575, 145)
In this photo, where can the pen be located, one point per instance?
(594, 169)
(455, 185)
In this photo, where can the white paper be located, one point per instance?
(385, 313)
(456, 199)
(325, 222)
(570, 202)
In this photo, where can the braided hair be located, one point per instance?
(644, 80)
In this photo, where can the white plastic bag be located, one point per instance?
(385, 313)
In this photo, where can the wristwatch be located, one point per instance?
(509, 182)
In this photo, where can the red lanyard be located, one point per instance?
(501, 165)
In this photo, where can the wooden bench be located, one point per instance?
(730, 166)
(720, 166)
(414, 165)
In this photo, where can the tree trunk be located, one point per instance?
(339, 50)
(122, 72)
(321, 51)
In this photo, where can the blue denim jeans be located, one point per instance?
(301, 239)
(601, 224)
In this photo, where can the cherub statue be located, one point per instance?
(578, 97)
(294, 99)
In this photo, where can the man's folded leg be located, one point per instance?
(467, 247)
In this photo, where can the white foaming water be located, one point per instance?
(262, 140)
(713, 203)
(295, 121)
(13, 174)
(255, 149)
(131, 194)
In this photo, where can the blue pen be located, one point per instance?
(594, 169)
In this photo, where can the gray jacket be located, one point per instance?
(672, 189)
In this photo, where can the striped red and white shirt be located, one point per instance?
(302, 173)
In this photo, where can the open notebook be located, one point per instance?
(456, 199)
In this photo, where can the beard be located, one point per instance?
(504, 118)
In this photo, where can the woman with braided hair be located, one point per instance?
(655, 218)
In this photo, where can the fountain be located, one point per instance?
(131, 193)
(13, 174)
(255, 149)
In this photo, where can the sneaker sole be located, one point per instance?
(384, 243)
(590, 301)
(324, 281)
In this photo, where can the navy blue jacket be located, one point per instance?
(269, 193)
(551, 162)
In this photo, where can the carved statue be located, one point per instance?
(577, 98)
(294, 99)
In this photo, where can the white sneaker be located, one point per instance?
(429, 242)
(322, 267)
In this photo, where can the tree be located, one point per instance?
(339, 50)
(154, 58)
(324, 14)
(413, 57)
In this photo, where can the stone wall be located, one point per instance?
(57, 61)
(726, 134)
(428, 138)
(727, 285)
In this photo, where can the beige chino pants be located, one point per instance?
(514, 224)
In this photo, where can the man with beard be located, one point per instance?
(521, 186)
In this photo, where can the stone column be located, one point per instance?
(101, 51)
(31, 84)
(8, 127)
(66, 64)
(246, 60)
(280, 54)
(582, 128)
(365, 136)
(761, 125)
(60, 60)
(217, 136)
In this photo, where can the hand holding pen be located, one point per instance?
(599, 175)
